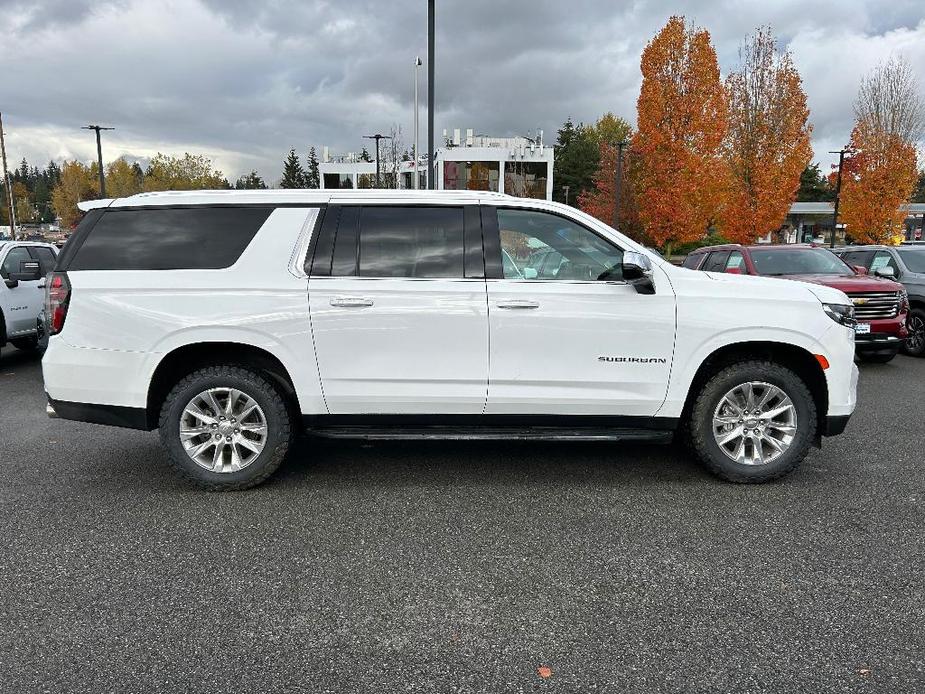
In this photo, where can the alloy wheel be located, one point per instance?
(754, 423)
(223, 429)
(916, 340)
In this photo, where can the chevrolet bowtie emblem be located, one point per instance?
(859, 302)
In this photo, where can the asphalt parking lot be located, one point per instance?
(442, 567)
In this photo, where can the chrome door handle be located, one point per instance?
(519, 303)
(351, 301)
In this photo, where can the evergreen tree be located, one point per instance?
(312, 174)
(293, 173)
(813, 186)
(577, 159)
(251, 181)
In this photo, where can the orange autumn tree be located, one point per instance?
(681, 179)
(881, 168)
(768, 144)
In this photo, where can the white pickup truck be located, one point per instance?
(230, 320)
(23, 268)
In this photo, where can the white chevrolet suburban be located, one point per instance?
(231, 320)
(23, 267)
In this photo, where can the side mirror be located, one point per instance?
(29, 271)
(859, 269)
(886, 272)
(733, 271)
(637, 271)
(530, 273)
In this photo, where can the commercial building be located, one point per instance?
(521, 166)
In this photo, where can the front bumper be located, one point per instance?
(878, 343)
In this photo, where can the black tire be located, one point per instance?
(279, 426)
(25, 344)
(877, 357)
(700, 425)
(915, 345)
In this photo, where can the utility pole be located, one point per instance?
(414, 166)
(566, 189)
(618, 184)
(7, 184)
(99, 155)
(377, 137)
(841, 160)
(431, 23)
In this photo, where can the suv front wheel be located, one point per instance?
(752, 422)
(225, 427)
(915, 344)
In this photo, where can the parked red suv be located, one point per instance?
(880, 304)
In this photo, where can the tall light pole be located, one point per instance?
(377, 137)
(431, 172)
(99, 155)
(7, 185)
(618, 183)
(414, 164)
(841, 160)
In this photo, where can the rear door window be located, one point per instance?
(201, 238)
(410, 242)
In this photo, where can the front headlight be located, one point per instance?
(841, 313)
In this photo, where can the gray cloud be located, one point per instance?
(244, 81)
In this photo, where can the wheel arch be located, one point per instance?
(187, 358)
(797, 359)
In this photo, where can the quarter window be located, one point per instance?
(411, 242)
(169, 238)
(541, 246)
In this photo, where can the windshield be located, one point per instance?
(799, 261)
(914, 260)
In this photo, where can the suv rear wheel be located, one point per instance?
(752, 422)
(225, 427)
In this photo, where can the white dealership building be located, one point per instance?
(519, 166)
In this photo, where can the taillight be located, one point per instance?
(57, 298)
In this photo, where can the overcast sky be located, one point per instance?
(243, 81)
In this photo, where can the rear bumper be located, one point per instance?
(110, 415)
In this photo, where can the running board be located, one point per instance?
(373, 433)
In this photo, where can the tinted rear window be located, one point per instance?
(411, 242)
(169, 238)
